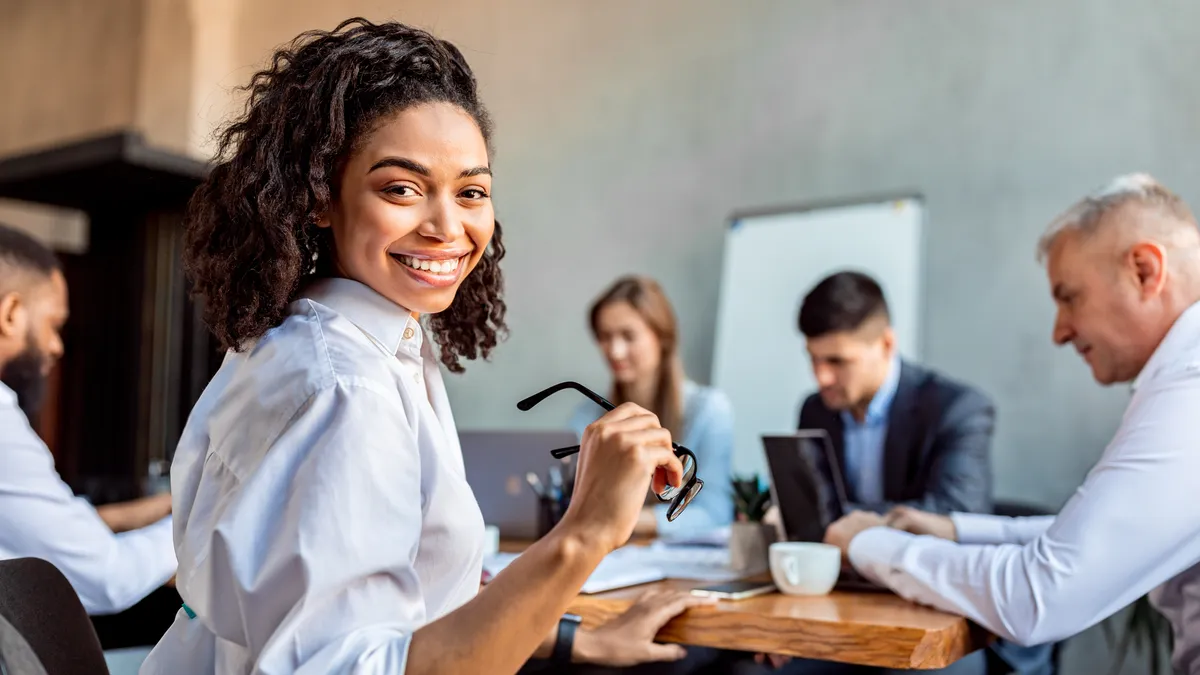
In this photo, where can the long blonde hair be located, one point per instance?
(648, 300)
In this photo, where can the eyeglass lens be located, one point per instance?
(679, 505)
(689, 471)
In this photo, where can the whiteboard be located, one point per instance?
(771, 261)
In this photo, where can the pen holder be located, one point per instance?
(550, 511)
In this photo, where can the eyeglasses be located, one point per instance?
(679, 497)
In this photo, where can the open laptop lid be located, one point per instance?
(806, 506)
(496, 462)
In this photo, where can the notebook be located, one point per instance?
(634, 565)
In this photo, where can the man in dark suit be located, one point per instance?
(901, 433)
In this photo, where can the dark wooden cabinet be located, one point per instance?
(136, 354)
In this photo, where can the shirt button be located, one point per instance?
(409, 333)
(417, 378)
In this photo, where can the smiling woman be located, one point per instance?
(260, 226)
(415, 255)
(323, 522)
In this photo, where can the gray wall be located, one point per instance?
(628, 131)
(627, 134)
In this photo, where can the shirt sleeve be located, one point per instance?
(1132, 525)
(312, 562)
(979, 528)
(713, 446)
(44, 519)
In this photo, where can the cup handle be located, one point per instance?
(791, 570)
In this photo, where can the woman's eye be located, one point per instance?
(474, 193)
(400, 190)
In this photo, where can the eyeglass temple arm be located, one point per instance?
(528, 403)
(559, 453)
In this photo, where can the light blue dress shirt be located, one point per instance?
(708, 432)
(864, 442)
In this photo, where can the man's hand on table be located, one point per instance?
(904, 518)
(921, 522)
(628, 639)
(843, 530)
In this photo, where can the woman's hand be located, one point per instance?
(628, 639)
(619, 455)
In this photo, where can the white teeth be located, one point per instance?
(435, 266)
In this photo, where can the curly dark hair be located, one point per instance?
(252, 234)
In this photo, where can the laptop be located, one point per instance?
(807, 505)
(496, 462)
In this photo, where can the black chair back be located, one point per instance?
(38, 601)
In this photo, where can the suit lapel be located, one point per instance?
(903, 422)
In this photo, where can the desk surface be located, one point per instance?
(877, 629)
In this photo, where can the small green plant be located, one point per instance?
(1146, 630)
(750, 498)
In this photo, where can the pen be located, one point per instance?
(535, 483)
(556, 483)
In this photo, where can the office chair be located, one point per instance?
(16, 656)
(38, 601)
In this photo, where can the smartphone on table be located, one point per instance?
(735, 590)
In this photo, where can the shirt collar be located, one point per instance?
(8, 397)
(881, 402)
(382, 319)
(1183, 333)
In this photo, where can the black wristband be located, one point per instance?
(565, 642)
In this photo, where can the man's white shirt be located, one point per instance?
(41, 518)
(1133, 526)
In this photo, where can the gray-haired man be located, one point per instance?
(1124, 271)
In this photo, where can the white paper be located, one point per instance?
(634, 565)
(718, 537)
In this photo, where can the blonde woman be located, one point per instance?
(635, 328)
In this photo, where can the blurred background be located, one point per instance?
(628, 133)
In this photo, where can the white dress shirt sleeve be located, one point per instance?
(312, 560)
(43, 519)
(1132, 525)
(981, 528)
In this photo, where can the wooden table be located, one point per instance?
(876, 629)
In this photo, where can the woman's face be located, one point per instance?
(630, 345)
(413, 212)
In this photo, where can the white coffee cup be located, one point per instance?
(805, 568)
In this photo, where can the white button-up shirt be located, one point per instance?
(1132, 526)
(41, 518)
(322, 513)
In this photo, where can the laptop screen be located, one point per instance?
(807, 503)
